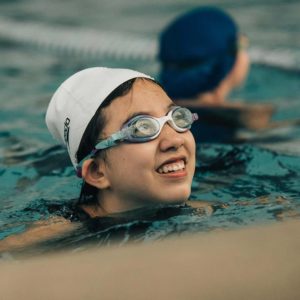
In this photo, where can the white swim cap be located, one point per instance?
(76, 101)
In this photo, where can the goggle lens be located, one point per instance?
(182, 117)
(144, 127)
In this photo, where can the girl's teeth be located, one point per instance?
(171, 167)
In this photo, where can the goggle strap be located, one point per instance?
(111, 141)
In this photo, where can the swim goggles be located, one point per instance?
(144, 128)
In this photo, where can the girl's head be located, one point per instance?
(131, 168)
(198, 50)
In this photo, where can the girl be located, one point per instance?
(126, 138)
(204, 58)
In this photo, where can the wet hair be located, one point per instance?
(88, 194)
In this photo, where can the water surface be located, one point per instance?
(255, 182)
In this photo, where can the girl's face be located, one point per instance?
(139, 174)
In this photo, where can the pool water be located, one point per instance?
(254, 182)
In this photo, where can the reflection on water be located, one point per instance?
(254, 182)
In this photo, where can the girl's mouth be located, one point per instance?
(172, 167)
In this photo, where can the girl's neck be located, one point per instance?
(108, 206)
(218, 95)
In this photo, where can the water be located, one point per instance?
(251, 183)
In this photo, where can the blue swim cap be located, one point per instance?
(197, 51)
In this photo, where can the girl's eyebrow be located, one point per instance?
(139, 113)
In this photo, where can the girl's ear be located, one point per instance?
(93, 172)
(240, 69)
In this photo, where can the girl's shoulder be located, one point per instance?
(38, 232)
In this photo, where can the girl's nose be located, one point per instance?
(170, 139)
